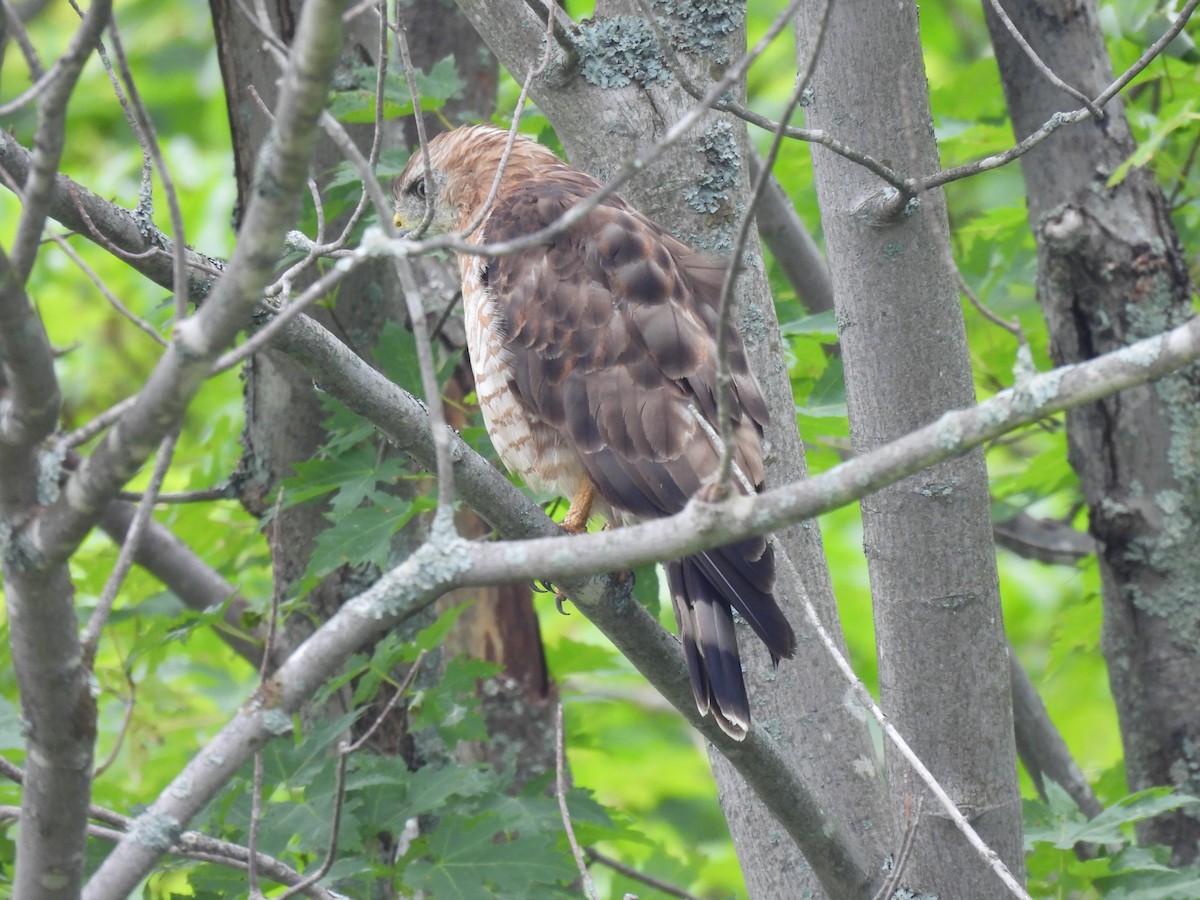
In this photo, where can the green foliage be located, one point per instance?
(354, 102)
(1114, 865)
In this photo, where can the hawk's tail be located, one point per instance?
(705, 589)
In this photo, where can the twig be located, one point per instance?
(1148, 56)
(795, 251)
(85, 433)
(314, 292)
(91, 635)
(560, 790)
(409, 677)
(112, 299)
(514, 127)
(125, 720)
(1046, 71)
(34, 91)
(16, 28)
(912, 819)
(255, 822)
(1013, 327)
(202, 495)
(419, 122)
(595, 856)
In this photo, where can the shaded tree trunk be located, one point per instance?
(1111, 272)
(943, 668)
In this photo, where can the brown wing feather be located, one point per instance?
(612, 332)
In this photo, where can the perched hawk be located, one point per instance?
(595, 361)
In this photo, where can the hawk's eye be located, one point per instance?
(417, 188)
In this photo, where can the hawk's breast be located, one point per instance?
(526, 444)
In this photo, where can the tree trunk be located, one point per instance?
(943, 669)
(1111, 272)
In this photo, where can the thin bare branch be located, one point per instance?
(1045, 70)
(50, 136)
(90, 639)
(104, 420)
(1149, 55)
(795, 251)
(595, 856)
(144, 326)
(149, 139)
(129, 704)
(560, 791)
(14, 26)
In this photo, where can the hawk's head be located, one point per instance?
(463, 163)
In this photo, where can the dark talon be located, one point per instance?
(559, 599)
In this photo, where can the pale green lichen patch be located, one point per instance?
(276, 721)
(1031, 397)
(155, 831)
(936, 490)
(620, 50)
(722, 163)
(700, 26)
(431, 568)
(948, 434)
(181, 788)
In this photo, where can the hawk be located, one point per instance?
(595, 361)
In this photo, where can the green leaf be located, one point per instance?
(11, 736)
(469, 862)
(396, 353)
(1106, 827)
(357, 104)
(827, 399)
(1149, 146)
(353, 475)
(821, 326)
(359, 536)
(646, 587)
(430, 788)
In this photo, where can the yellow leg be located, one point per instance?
(576, 519)
(575, 522)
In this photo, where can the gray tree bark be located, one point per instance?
(943, 668)
(1111, 271)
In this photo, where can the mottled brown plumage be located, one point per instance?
(595, 360)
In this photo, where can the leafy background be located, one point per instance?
(644, 793)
